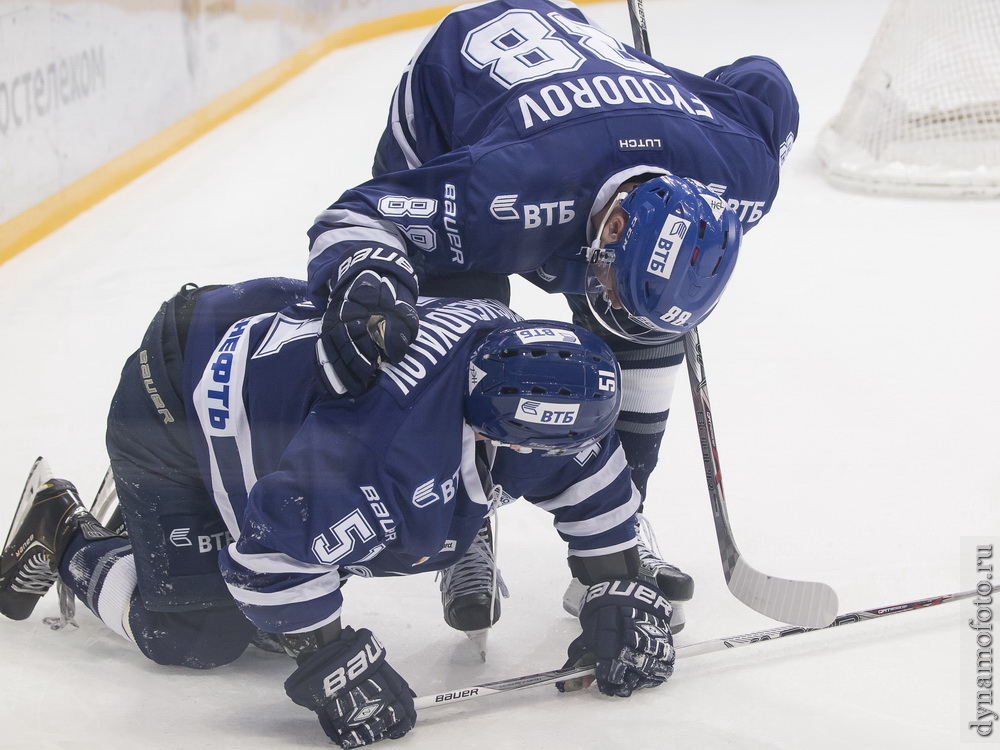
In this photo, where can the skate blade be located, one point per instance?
(678, 618)
(67, 608)
(573, 598)
(106, 500)
(479, 640)
(40, 473)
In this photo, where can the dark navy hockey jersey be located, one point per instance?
(314, 487)
(517, 120)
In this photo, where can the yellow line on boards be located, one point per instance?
(30, 226)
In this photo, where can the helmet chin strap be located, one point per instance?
(515, 448)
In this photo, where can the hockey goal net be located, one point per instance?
(923, 114)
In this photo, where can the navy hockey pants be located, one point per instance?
(182, 613)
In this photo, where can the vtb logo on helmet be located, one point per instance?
(672, 263)
(543, 385)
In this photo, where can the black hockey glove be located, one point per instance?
(371, 316)
(626, 635)
(358, 697)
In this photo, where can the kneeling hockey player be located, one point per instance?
(248, 493)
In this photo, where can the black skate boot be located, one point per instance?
(471, 589)
(49, 514)
(675, 584)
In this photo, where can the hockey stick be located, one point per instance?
(695, 649)
(804, 603)
(637, 17)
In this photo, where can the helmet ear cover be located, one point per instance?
(672, 262)
(543, 385)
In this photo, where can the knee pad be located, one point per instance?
(198, 639)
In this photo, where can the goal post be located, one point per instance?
(922, 117)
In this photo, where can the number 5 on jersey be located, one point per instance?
(347, 532)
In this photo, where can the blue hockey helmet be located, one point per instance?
(670, 265)
(543, 385)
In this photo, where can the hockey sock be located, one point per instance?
(648, 377)
(102, 575)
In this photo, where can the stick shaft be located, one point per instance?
(696, 649)
(801, 603)
(710, 451)
(637, 16)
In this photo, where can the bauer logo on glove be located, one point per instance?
(370, 318)
(641, 591)
(362, 660)
(626, 636)
(374, 255)
(358, 698)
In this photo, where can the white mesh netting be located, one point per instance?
(923, 114)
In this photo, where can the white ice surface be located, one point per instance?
(852, 368)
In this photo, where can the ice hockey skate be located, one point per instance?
(47, 517)
(675, 584)
(471, 590)
(106, 508)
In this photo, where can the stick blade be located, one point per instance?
(808, 604)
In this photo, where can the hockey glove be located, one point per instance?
(626, 635)
(371, 316)
(358, 697)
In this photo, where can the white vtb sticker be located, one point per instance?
(664, 255)
(558, 335)
(539, 412)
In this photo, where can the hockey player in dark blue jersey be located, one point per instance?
(522, 139)
(249, 493)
